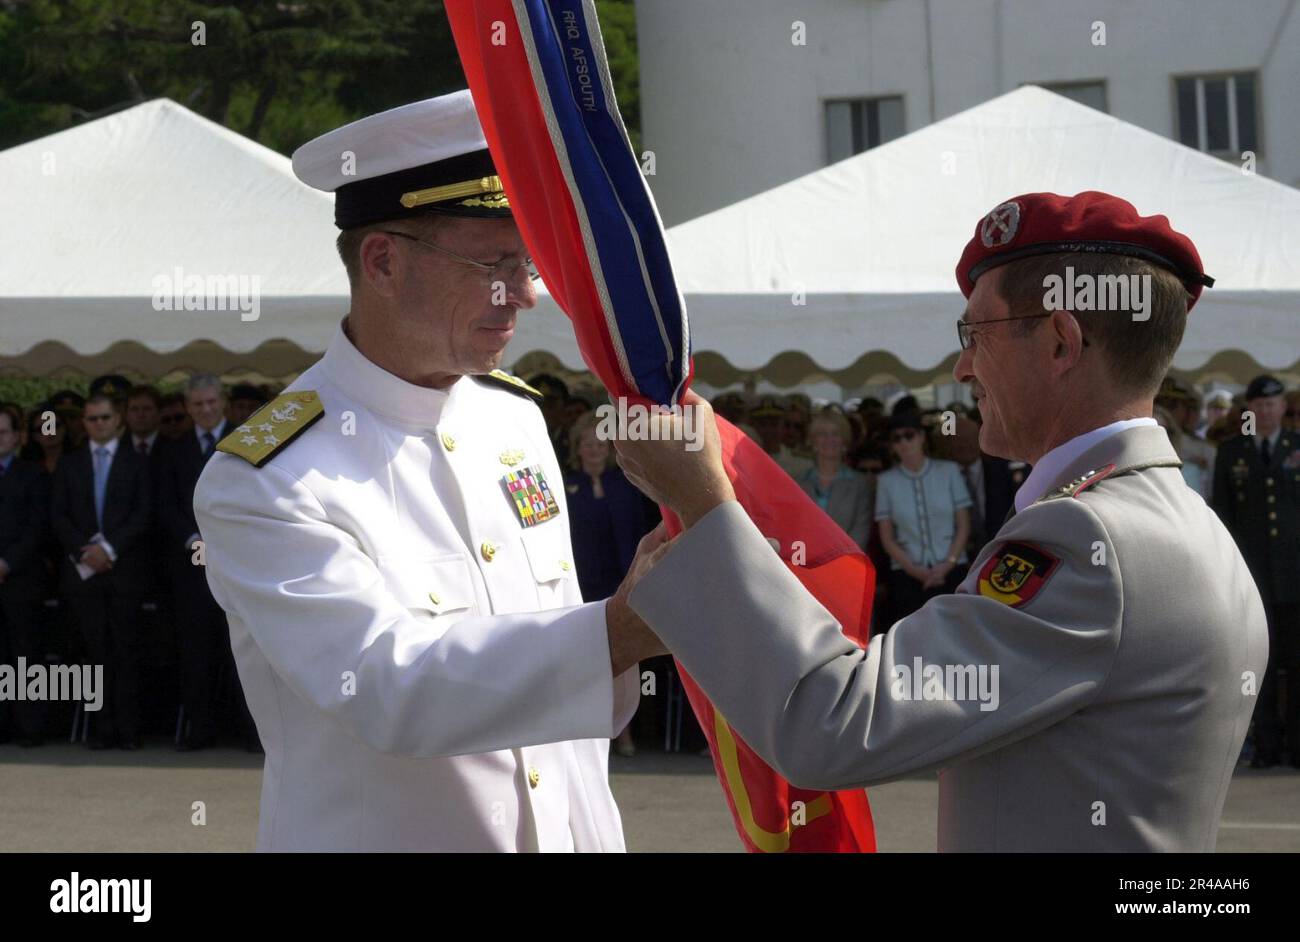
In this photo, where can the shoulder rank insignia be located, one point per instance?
(1014, 574)
(512, 384)
(273, 426)
(1079, 484)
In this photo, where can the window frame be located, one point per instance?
(1234, 150)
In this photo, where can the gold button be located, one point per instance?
(448, 442)
(1272, 515)
(534, 777)
(1268, 481)
(566, 565)
(1272, 499)
(1273, 532)
(433, 597)
(488, 550)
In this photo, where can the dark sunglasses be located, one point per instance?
(906, 436)
(172, 419)
(100, 418)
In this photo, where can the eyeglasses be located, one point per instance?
(501, 270)
(964, 327)
(904, 436)
(172, 419)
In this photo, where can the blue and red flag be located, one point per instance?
(542, 88)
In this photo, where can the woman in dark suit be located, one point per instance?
(846, 495)
(607, 518)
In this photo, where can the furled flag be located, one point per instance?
(543, 92)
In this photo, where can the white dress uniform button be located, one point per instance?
(488, 551)
(566, 565)
(434, 598)
(534, 777)
(448, 441)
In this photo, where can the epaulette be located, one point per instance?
(512, 384)
(1079, 484)
(1082, 483)
(273, 426)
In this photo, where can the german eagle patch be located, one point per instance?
(1014, 575)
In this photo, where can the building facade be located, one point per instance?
(738, 96)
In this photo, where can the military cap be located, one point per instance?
(1048, 223)
(1175, 390)
(1262, 386)
(426, 157)
(66, 400)
(113, 385)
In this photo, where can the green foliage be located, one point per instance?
(278, 72)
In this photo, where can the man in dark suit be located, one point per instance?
(101, 510)
(24, 514)
(203, 635)
(992, 482)
(1257, 495)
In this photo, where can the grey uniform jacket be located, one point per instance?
(1126, 633)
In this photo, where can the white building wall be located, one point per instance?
(731, 107)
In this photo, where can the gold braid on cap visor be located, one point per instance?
(495, 198)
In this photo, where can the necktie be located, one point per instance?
(101, 483)
(1266, 448)
(207, 443)
(142, 446)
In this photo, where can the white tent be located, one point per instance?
(870, 245)
(101, 216)
(107, 222)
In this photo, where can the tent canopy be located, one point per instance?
(854, 264)
(119, 215)
(845, 274)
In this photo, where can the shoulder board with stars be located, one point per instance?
(1079, 484)
(513, 384)
(273, 426)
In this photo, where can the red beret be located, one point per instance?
(1046, 223)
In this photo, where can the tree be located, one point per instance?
(278, 72)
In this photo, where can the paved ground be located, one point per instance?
(63, 798)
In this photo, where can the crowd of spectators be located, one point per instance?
(98, 539)
(99, 561)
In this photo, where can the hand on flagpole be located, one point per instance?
(678, 463)
(630, 638)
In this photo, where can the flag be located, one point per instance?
(544, 96)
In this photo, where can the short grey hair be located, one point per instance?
(203, 381)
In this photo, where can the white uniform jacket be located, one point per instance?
(419, 664)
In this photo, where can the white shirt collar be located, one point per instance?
(379, 390)
(217, 433)
(1049, 467)
(148, 440)
(111, 446)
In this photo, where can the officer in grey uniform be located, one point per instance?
(1089, 686)
(1257, 493)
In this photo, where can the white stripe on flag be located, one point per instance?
(562, 153)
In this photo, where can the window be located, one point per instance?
(860, 124)
(1092, 94)
(1216, 113)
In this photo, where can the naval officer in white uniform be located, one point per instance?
(390, 539)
